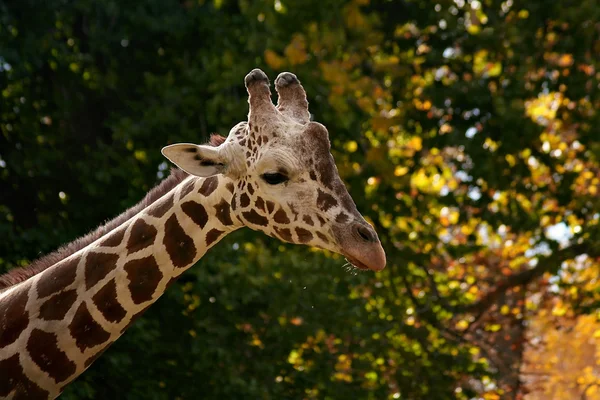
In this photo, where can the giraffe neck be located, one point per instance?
(55, 324)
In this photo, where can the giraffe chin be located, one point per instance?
(362, 266)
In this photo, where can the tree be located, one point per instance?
(473, 124)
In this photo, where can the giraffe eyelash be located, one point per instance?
(274, 178)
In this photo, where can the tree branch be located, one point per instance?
(550, 263)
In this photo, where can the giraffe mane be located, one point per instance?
(18, 275)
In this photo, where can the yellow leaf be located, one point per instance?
(494, 69)
(474, 29)
(416, 143)
(273, 60)
(462, 325)
(400, 171)
(351, 146)
(491, 396)
(296, 50)
(140, 155)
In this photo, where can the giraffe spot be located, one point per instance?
(44, 351)
(325, 201)
(270, 206)
(259, 140)
(186, 189)
(144, 277)
(260, 204)
(312, 175)
(209, 185)
(250, 189)
(322, 237)
(62, 276)
(97, 266)
(114, 238)
(196, 212)
(284, 234)
(179, 245)
(142, 235)
(14, 318)
(212, 236)
(308, 220)
(281, 217)
(223, 212)
(57, 306)
(248, 154)
(230, 186)
(85, 330)
(255, 218)
(244, 200)
(107, 303)
(243, 142)
(265, 139)
(233, 203)
(341, 218)
(326, 171)
(15, 383)
(321, 220)
(304, 236)
(161, 206)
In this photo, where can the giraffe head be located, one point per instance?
(284, 179)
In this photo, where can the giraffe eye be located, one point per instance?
(274, 178)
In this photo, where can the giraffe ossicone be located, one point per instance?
(273, 173)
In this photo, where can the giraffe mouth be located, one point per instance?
(357, 263)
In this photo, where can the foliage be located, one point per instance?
(466, 131)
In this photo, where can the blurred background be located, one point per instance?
(467, 132)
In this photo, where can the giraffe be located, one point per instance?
(273, 173)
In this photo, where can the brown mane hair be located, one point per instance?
(18, 275)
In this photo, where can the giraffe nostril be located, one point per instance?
(365, 233)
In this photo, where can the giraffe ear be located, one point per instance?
(199, 160)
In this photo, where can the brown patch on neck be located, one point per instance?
(15, 382)
(19, 275)
(85, 330)
(57, 306)
(179, 245)
(14, 317)
(44, 351)
(144, 276)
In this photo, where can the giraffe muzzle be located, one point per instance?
(361, 246)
